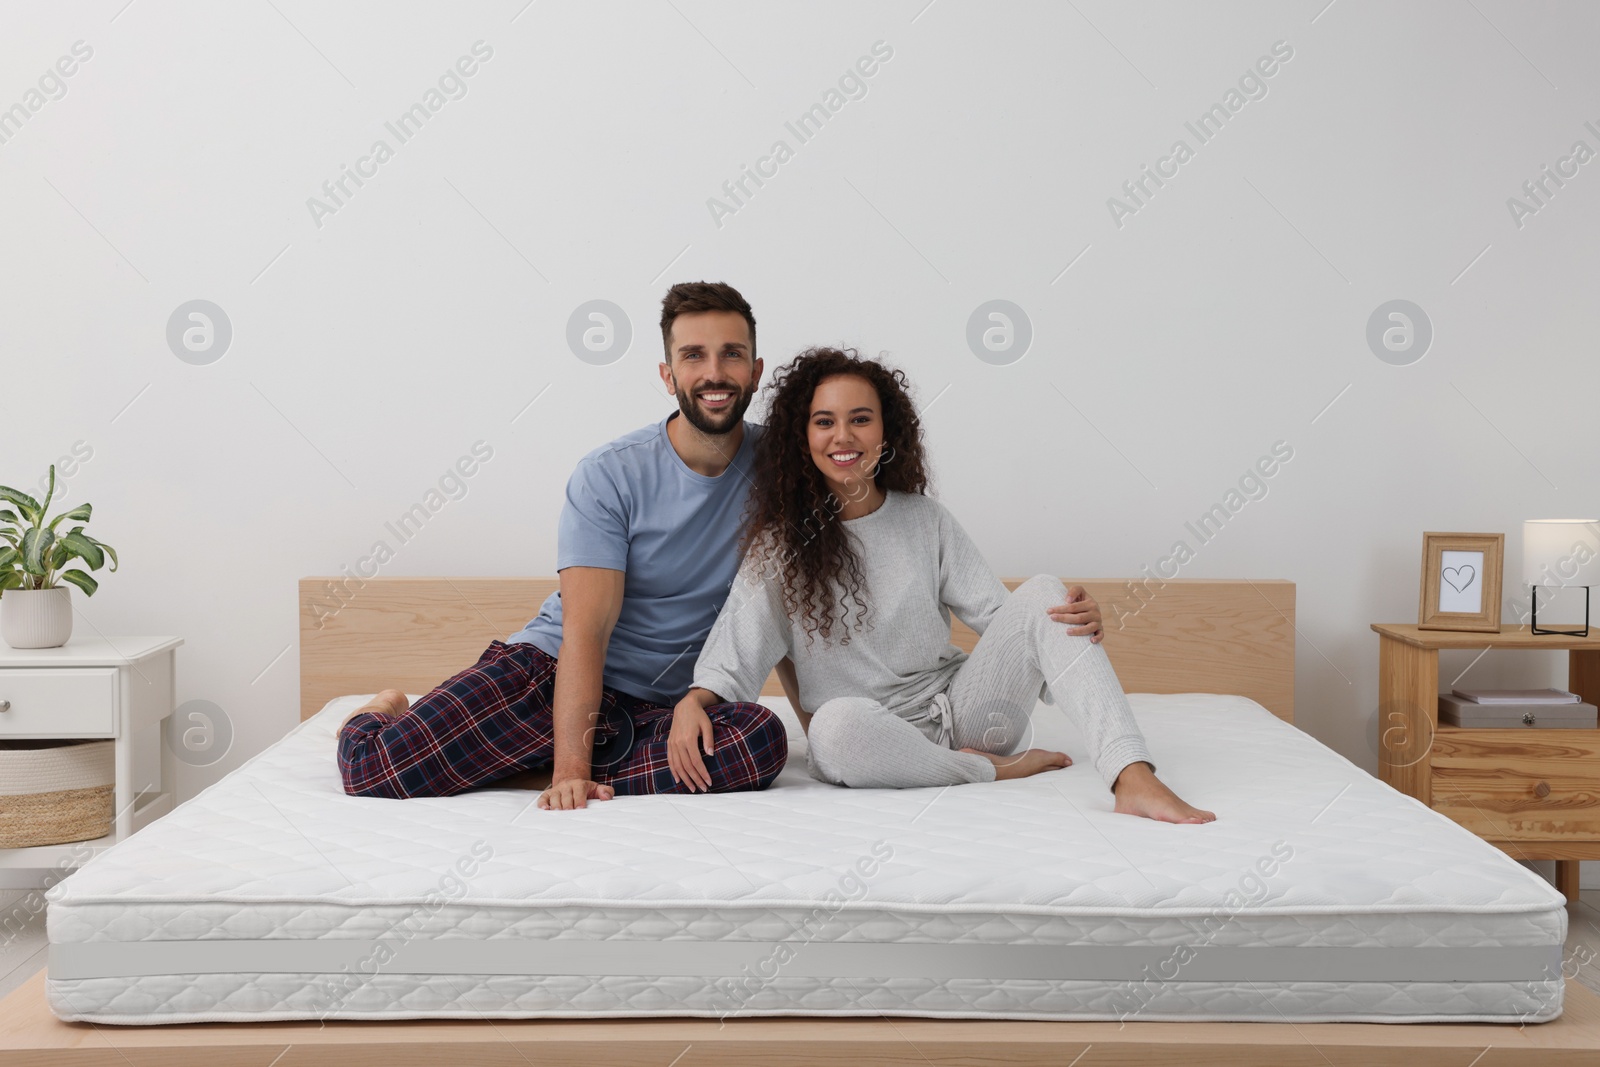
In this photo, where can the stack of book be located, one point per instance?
(1547, 708)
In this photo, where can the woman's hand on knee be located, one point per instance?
(691, 727)
(1081, 613)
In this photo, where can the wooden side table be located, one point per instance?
(1533, 793)
(102, 687)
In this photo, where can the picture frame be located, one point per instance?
(1461, 577)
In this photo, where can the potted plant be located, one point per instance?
(35, 609)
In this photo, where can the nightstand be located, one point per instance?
(1534, 793)
(103, 687)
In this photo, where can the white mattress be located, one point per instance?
(1319, 894)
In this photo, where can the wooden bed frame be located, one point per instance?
(411, 633)
(1191, 635)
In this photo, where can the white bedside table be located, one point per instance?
(100, 687)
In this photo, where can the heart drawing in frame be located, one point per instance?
(1461, 578)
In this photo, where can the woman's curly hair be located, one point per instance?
(792, 530)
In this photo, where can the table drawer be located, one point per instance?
(58, 702)
(1508, 785)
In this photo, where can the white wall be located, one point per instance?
(375, 345)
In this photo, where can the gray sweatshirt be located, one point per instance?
(918, 565)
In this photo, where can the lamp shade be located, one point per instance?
(1561, 552)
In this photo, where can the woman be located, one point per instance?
(851, 572)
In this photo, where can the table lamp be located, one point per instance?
(1561, 553)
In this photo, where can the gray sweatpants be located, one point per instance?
(858, 742)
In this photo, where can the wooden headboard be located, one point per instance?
(1187, 635)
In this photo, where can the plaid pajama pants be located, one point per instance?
(493, 720)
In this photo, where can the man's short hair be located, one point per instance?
(687, 297)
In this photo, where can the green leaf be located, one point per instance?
(11, 580)
(9, 557)
(29, 506)
(59, 556)
(81, 580)
(35, 543)
(79, 545)
(105, 548)
(44, 509)
(7, 515)
(79, 513)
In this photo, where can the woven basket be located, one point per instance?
(55, 791)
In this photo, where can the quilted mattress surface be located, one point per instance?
(1319, 894)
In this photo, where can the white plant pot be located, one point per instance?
(36, 618)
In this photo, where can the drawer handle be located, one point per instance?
(5, 705)
(1542, 790)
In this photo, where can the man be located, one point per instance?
(647, 548)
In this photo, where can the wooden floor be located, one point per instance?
(30, 1035)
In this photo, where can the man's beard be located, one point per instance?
(719, 422)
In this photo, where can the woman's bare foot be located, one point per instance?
(390, 702)
(1140, 792)
(1023, 764)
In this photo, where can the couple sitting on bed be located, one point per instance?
(701, 552)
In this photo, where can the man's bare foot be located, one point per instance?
(1023, 764)
(398, 704)
(1140, 792)
(390, 702)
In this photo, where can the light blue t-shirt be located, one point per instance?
(634, 506)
